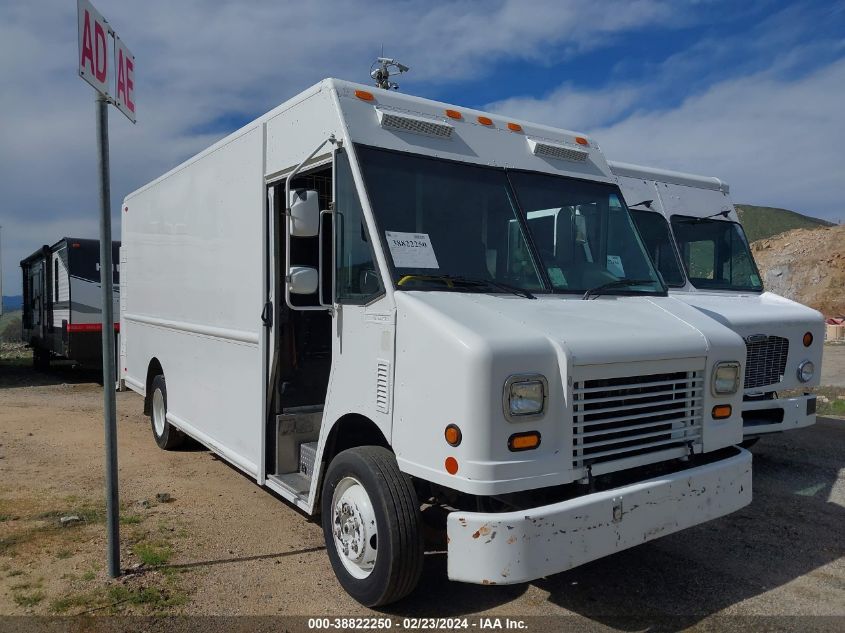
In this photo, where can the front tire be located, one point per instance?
(166, 435)
(372, 526)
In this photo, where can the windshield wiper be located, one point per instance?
(725, 213)
(619, 283)
(474, 281)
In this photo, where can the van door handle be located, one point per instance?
(267, 314)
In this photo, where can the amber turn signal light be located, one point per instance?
(524, 441)
(453, 435)
(722, 411)
(808, 339)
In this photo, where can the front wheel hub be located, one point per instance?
(354, 527)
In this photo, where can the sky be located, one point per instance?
(751, 92)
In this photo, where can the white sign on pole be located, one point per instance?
(124, 79)
(94, 64)
(93, 49)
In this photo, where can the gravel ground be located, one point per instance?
(833, 365)
(232, 548)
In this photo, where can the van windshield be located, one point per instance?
(454, 226)
(442, 219)
(715, 254)
(584, 234)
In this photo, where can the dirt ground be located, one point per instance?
(833, 365)
(219, 544)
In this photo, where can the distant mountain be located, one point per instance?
(13, 302)
(763, 222)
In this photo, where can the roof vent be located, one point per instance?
(553, 150)
(414, 125)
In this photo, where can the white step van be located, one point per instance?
(350, 300)
(692, 233)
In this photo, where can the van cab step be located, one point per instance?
(307, 458)
(297, 483)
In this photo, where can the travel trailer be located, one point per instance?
(347, 300)
(692, 232)
(62, 305)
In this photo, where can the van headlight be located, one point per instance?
(725, 378)
(806, 371)
(525, 396)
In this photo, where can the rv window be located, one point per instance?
(357, 278)
(654, 230)
(715, 254)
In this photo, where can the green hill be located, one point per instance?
(762, 222)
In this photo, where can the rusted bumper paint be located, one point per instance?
(514, 547)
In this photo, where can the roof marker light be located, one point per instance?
(485, 120)
(364, 95)
(581, 140)
(454, 114)
(514, 127)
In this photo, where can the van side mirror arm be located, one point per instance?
(286, 272)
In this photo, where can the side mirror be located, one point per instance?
(304, 280)
(580, 229)
(304, 213)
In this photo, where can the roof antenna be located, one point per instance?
(381, 72)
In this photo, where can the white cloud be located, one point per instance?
(777, 140)
(200, 61)
(569, 106)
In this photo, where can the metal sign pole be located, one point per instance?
(109, 372)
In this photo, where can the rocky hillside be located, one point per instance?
(806, 265)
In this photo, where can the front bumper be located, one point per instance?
(760, 417)
(513, 547)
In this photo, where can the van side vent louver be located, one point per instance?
(561, 152)
(383, 386)
(414, 125)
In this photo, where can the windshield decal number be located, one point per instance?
(614, 265)
(411, 250)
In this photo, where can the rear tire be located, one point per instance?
(372, 526)
(166, 435)
(40, 359)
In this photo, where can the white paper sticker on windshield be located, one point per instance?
(614, 265)
(411, 250)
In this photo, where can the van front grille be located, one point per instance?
(765, 360)
(617, 418)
